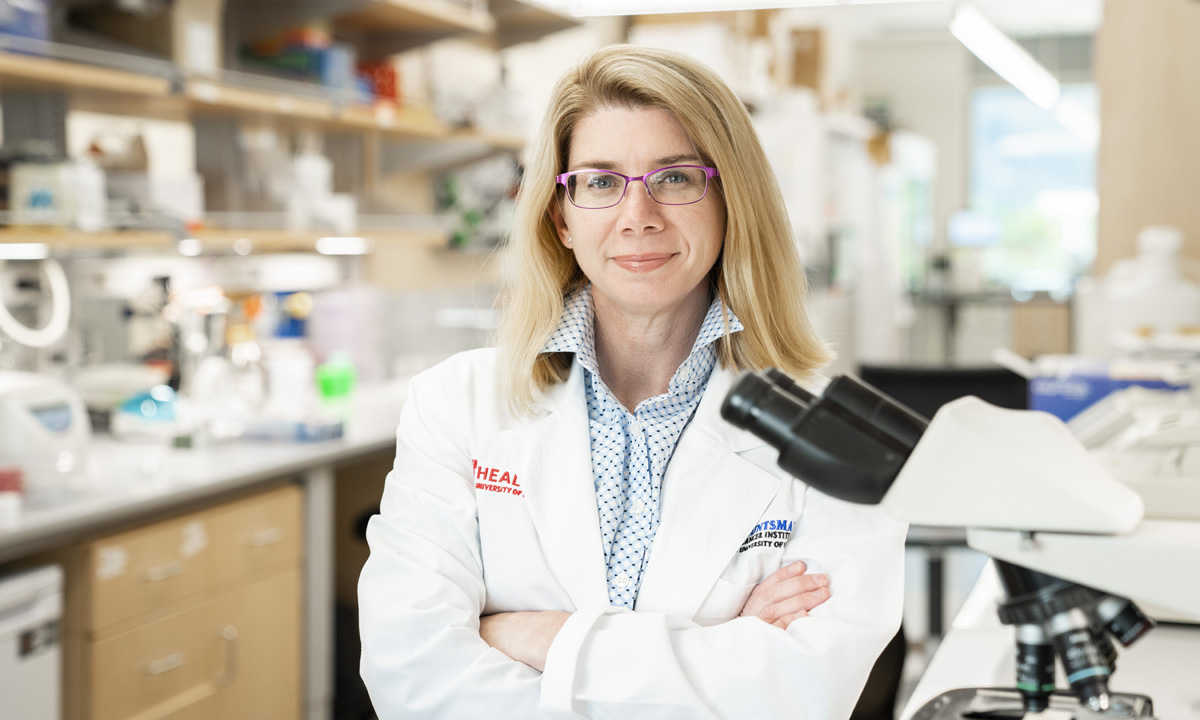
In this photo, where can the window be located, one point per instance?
(1032, 192)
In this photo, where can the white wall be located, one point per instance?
(927, 85)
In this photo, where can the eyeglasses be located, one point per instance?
(673, 185)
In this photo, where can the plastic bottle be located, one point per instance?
(1149, 295)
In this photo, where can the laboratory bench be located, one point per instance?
(163, 543)
(978, 651)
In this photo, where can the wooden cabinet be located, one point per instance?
(194, 616)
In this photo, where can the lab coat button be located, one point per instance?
(639, 507)
(621, 580)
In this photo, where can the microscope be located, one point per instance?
(1069, 542)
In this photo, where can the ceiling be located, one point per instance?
(883, 18)
(1014, 17)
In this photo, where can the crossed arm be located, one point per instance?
(786, 594)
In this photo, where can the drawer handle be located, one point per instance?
(230, 634)
(164, 664)
(162, 572)
(269, 536)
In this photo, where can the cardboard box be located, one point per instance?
(25, 18)
(804, 58)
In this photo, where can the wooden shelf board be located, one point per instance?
(205, 94)
(429, 239)
(496, 140)
(69, 238)
(26, 70)
(305, 240)
(519, 21)
(260, 240)
(400, 121)
(415, 16)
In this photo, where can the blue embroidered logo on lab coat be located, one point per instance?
(768, 533)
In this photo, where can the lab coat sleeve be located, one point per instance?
(646, 666)
(421, 590)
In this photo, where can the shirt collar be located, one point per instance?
(576, 328)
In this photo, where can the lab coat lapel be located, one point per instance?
(711, 499)
(554, 451)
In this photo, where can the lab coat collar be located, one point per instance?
(554, 449)
(712, 497)
(706, 475)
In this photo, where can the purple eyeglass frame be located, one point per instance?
(709, 174)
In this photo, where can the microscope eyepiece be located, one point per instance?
(850, 442)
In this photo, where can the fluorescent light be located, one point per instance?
(343, 246)
(1011, 62)
(24, 251)
(595, 8)
(592, 8)
(1006, 57)
(189, 247)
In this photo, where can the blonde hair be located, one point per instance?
(758, 274)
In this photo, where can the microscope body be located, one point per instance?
(1001, 473)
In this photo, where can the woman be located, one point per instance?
(570, 529)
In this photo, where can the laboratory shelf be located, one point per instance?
(377, 28)
(424, 17)
(205, 95)
(65, 238)
(224, 240)
(519, 21)
(383, 27)
(28, 71)
(392, 121)
(152, 96)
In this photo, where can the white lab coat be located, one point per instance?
(486, 513)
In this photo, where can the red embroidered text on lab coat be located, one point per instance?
(495, 479)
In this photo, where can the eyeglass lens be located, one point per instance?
(670, 186)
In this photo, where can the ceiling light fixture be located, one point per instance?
(1003, 55)
(1011, 62)
(593, 8)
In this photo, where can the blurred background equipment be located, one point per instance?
(45, 432)
(31, 603)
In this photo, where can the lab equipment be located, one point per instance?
(60, 298)
(1148, 303)
(1031, 497)
(30, 643)
(155, 414)
(66, 193)
(44, 430)
(1150, 294)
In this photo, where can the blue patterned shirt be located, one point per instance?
(630, 450)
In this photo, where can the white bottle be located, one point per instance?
(1149, 296)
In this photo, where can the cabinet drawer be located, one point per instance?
(160, 669)
(257, 535)
(143, 569)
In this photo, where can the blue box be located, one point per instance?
(25, 18)
(1071, 385)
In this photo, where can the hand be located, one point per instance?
(786, 594)
(523, 636)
